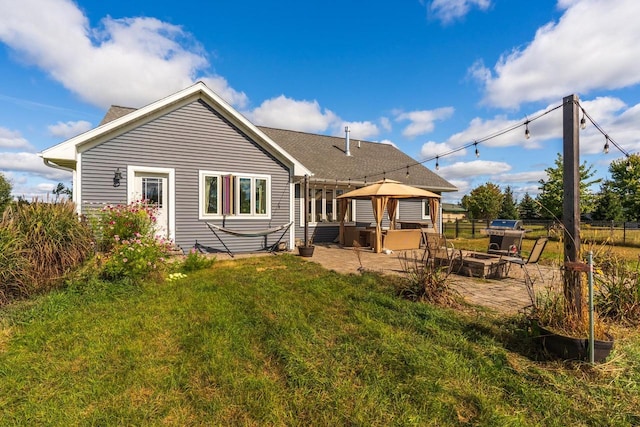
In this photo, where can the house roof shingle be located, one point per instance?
(325, 157)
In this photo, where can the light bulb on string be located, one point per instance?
(407, 171)
(349, 184)
(527, 134)
(477, 152)
(583, 122)
(629, 168)
(606, 144)
(437, 163)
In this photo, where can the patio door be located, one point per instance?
(153, 188)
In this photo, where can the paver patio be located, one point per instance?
(507, 295)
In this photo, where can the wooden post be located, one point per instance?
(571, 203)
(306, 210)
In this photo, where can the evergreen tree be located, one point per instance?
(552, 189)
(608, 206)
(509, 209)
(528, 208)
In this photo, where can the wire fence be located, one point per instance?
(618, 233)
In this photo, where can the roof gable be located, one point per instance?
(121, 119)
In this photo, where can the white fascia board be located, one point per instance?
(68, 149)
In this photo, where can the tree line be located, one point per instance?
(618, 198)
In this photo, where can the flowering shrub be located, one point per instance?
(124, 222)
(196, 261)
(136, 258)
(127, 234)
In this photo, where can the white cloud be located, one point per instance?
(448, 11)
(69, 129)
(473, 169)
(385, 123)
(593, 46)
(489, 132)
(524, 177)
(422, 122)
(388, 142)
(30, 163)
(12, 139)
(220, 86)
(129, 61)
(287, 113)
(431, 149)
(361, 130)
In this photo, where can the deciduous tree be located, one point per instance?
(484, 202)
(625, 182)
(5, 192)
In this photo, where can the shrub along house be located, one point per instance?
(199, 160)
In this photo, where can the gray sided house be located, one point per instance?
(201, 161)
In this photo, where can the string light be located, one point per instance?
(606, 144)
(629, 168)
(527, 134)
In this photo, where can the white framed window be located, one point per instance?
(224, 194)
(426, 210)
(324, 205)
(252, 195)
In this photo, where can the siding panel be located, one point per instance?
(189, 139)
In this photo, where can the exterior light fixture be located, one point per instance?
(606, 144)
(583, 122)
(477, 152)
(407, 171)
(527, 134)
(117, 176)
(437, 163)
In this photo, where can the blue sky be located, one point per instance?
(427, 76)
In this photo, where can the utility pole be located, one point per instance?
(571, 202)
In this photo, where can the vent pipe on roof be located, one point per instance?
(346, 141)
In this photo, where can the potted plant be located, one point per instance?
(563, 331)
(306, 250)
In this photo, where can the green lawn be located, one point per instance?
(280, 341)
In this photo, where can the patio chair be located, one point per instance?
(534, 257)
(438, 251)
